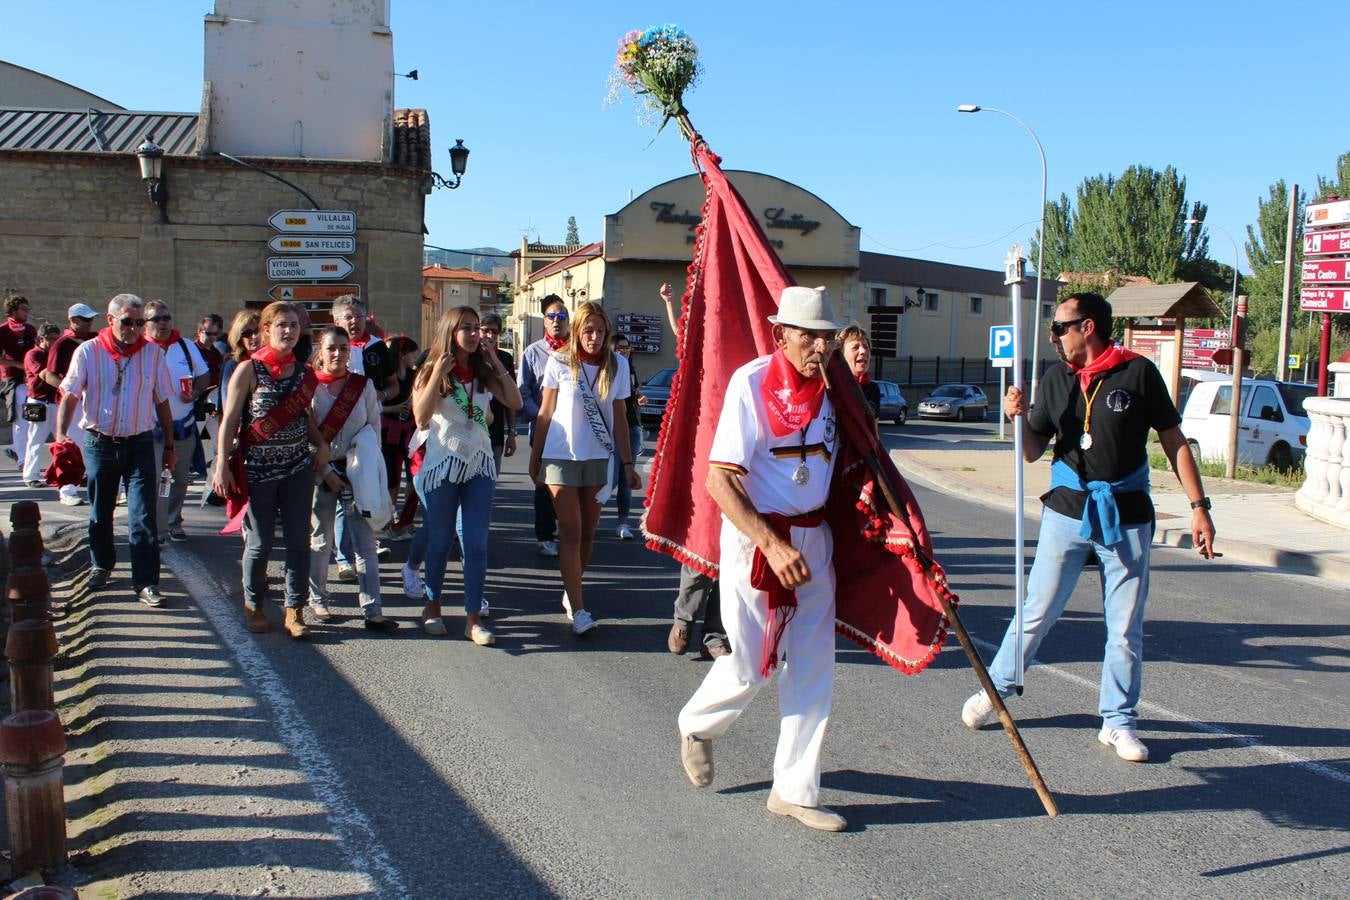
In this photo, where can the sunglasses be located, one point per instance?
(164, 318)
(1059, 328)
(128, 322)
(248, 333)
(556, 316)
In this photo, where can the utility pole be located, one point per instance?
(1282, 359)
(1235, 408)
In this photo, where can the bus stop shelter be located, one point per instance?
(1177, 302)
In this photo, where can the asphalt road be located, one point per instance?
(549, 765)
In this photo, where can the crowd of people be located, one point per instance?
(321, 428)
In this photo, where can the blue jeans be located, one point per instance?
(292, 498)
(621, 474)
(106, 463)
(1060, 555)
(321, 541)
(431, 544)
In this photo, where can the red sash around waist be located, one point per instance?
(782, 602)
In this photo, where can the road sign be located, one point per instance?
(1326, 243)
(1295, 360)
(308, 268)
(305, 292)
(1324, 299)
(1326, 271)
(1322, 215)
(1001, 346)
(314, 221)
(284, 243)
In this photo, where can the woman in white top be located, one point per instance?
(451, 404)
(332, 350)
(584, 387)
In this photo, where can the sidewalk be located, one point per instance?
(1256, 523)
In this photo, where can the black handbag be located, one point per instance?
(34, 412)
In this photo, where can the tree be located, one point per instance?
(573, 236)
(1265, 247)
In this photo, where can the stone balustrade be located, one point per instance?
(1325, 493)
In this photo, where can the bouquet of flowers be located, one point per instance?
(658, 65)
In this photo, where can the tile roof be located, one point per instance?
(94, 130)
(906, 270)
(412, 139)
(580, 254)
(457, 274)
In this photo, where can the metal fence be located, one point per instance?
(922, 371)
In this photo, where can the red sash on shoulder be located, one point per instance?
(342, 406)
(236, 502)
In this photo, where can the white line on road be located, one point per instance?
(354, 831)
(1163, 712)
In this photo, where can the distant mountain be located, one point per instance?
(480, 259)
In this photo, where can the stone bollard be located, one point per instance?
(29, 593)
(27, 587)
(30, 649)
(32, 748)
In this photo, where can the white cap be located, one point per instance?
(81, 311)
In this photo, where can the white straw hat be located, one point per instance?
(804, 307)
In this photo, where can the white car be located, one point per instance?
(1272, 426)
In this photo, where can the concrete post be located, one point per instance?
(32, 748)
(30, 649)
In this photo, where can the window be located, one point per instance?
(1265, 405)
(931, 302)
(1223, 401)
(1047, 311)
(878, 296)
(977, 306)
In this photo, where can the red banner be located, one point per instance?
(1325, 299)
(1326, 271)
(1327, 243)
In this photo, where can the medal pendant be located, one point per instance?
(1085, 442)
(802, 474)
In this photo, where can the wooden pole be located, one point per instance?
(981, 671)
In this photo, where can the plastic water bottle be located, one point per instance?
(165, 482)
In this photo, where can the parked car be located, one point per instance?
(954, 401)
(657, 392)
(1191, 377)
(893, 405)
(1272, 424)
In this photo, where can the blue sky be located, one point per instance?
(854, 101)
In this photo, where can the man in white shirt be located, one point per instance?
(124, 383)
(771, 463)
(190, 378)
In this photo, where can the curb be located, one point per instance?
(1249, 552)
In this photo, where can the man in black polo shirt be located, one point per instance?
(1098, 403)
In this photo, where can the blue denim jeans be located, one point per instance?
(321, 543)
(621, 474)
(1060, 555)
(291, 498)
(431, 544)
(106, 464)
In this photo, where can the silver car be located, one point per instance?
(955, 401)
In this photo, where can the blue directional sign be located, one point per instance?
(1001, 346)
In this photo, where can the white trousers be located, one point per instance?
(37, 457)
(806, 677)
(19, 431)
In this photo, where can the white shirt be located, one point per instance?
(570, 435)
(745, 444)
(181, 367)
(118, 410)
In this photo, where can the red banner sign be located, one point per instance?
(1325, 299)
(1326, 243)
(1198, 345)
(1326, 271)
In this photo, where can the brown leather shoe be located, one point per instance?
(818, 818)
(255, 619)
(295, 622)
(678, 639)
(696, 757)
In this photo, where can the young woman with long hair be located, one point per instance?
(576, 440)
(451, 396)
(278, 471)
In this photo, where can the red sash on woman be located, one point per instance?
(342, 406)
(236, 501)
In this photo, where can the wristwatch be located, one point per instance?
(1202, 503)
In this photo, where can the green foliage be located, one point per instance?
(1219, 470)
(1265, 246)
(573, 236)
(1338, 186)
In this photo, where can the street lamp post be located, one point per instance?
(1040, 245)
(1232, 298)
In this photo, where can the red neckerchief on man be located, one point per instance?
(554, 343)
(1115, 355)
(791, 398)
(115, 349)
(17, 327)
(173, 338)
(273, 360)
(361, 344)
(70, 332)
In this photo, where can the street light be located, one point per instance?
(1232, 299)
(1040, 244)
(151, 158)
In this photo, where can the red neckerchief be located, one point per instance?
(464, 375)
(325, 378)
(1114, 356)
(173, 338)
(273, 360)
(864, 378)
(70, 332)
(361, 344)
(791, 399)
(105, 337)
(592, 359)
(554, 343)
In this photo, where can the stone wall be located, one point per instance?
(80, 227)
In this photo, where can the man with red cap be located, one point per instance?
(771, 464)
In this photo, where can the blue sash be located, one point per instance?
(1101, 515)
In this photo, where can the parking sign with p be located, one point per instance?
(1001, 346)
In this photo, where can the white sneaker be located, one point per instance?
(413, 588)
(978, 711)
(567, 606)
(548, 548)
(1127, 743)
(71, 500)
(583, 621)
(624, 532)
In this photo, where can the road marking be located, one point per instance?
(354, 831)
(1163, 712)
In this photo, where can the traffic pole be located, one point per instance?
(1014, 272)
